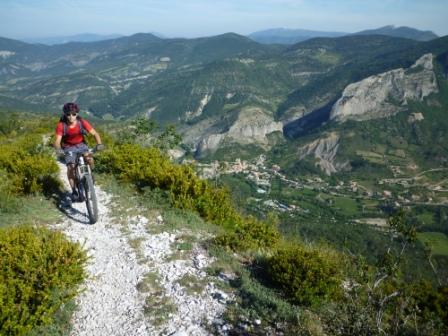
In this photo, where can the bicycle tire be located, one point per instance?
(90, 199)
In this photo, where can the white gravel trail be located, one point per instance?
(110, 303)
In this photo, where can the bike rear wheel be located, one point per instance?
(90, 198)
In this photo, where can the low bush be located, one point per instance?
(305, 275)
(29, 170)
(149, 167)
(8, 202)
(39, 271)
(392, 308)
(250, 233)
(432, 303)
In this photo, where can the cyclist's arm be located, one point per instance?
(57, 142)
(96, 136)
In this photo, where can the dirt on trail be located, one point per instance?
(135, 289)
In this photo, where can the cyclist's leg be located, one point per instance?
(88, 157)
(81, 149)
(70, 160)
(71, 175)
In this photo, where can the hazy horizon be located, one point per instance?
(24, 19)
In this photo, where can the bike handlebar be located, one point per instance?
(89, 150)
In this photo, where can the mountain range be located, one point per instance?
(86, 37)
(206, 86)
(291, 36)
(268, 36)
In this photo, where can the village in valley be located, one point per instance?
(358, 202)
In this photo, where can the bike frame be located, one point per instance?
(85, 185)
(82, 168)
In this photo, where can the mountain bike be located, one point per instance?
(85, 185)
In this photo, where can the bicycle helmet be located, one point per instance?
(70, 107)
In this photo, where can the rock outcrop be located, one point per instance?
(6, 54)
(324, 150)
(209, 144)
(386, 94)
(414, 117)
(251, 127)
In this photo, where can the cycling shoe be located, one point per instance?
(75, 197)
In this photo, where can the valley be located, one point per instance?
(325, 161)
(351, 128)
(350, 198)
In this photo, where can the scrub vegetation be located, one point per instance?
(40, 270)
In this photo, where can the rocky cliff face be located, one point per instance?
(251, 127)
(324, 150)
(387, 93)
(209, 144)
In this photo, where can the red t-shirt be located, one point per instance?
(73, 135)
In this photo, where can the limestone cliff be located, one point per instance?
(251, 126)
(324, 150)
(386, 94)
(209, 144)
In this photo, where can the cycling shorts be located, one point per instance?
(71, 151)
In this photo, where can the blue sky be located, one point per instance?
(192, 18)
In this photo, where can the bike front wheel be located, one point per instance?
(90, 198)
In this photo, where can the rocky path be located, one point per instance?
(137, 289)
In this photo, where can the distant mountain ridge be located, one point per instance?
(268, 36)
(210, 87)
(85, 37)
(292, 36)
(404, 32)
(289, 36)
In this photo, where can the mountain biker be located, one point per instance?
(69, 141)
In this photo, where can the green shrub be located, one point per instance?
(149, 167)
(39, 271)
(432, 302)
(250, 233)
(305, 275)
(416, 309)
(8, 201)
(24, 157)
(29, 171)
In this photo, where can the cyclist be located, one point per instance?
(69, 141)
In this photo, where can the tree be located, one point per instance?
(378, 300)
(169, 139)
